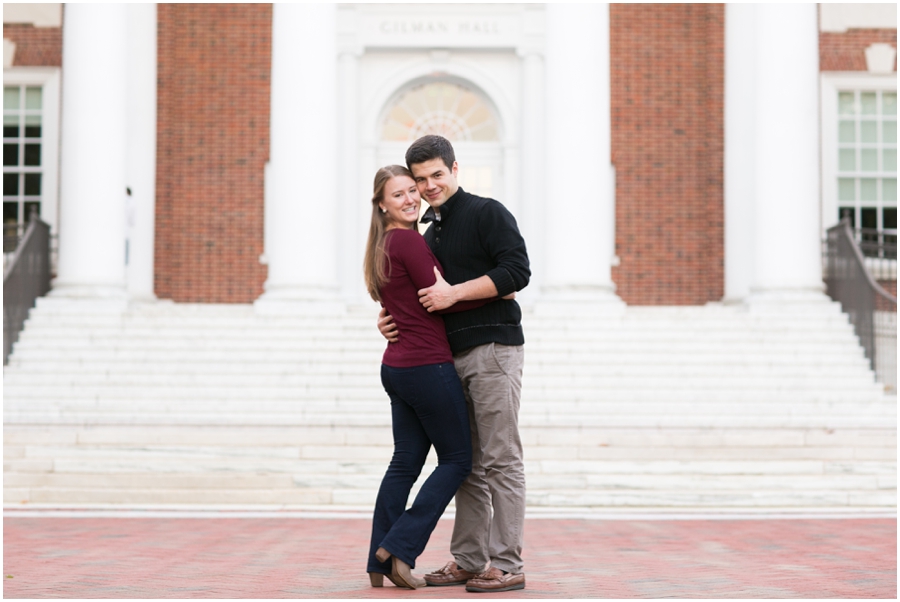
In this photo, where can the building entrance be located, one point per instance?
(456, 111)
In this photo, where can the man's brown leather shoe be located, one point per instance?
(495, 580)
(450, 574)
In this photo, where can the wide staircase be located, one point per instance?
(676, 408)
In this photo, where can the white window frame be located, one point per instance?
(47, 78)
(472, 155)
(832, 83)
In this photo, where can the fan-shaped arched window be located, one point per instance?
(443, 108)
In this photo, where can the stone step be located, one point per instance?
(62, 417)
(579, 437)
(559, 350)
(736, 347)
(41, 359)
(320, 459)
(353, 376)
(165, 309)
(254, 334)
(597, 452)
(712, 499)
(331, 493)
(200, 497)
(699, 322)
(705, 407)
(327, 326)
(612, 380)
(694, 500)
(371, 482)
(235, 337)
(362, 364)
(161, 313)
(532, 408)
(16, 395)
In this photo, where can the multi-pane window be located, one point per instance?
(22, 147)
(867, 158)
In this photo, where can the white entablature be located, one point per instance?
(468, 26)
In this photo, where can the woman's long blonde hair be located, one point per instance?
(375, 265)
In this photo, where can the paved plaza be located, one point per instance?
(291, 556)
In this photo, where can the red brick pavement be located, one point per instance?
(565, 558)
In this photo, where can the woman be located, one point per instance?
(427, 403)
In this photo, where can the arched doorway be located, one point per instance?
(460, 113)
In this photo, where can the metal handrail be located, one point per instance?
(849, 282)
(12, 234)
(25, 278)
(878, 245)
(857, 250)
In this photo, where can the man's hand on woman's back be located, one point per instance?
(386, 326)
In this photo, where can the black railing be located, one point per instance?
(877, 244)
(25, 278)
(12, 234)
(858, 266)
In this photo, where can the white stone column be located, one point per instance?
(533, 191)
(93, 151)
(141, 152)
(353, 208)
(579, 206)
(786, 243)
(740, 132)
(302, 176)
(368, 165)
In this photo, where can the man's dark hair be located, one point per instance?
(430, 147)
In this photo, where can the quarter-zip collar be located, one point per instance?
(446, 209)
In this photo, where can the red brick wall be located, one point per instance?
(213, 142)
(667, 147)
(847, 51)
(882, 304)
(35, 46)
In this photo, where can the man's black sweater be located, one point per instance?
(473, 237)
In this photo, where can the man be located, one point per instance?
(483, 255)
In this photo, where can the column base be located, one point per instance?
(300, 300)
(732, 300)
(793, 300)
(579, 300)
(62, 289)
(148, 303)
(142, 298)
(81, 305)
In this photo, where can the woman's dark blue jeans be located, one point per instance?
(427, 408)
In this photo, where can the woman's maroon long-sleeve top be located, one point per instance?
(422, 337)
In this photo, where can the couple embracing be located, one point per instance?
(452, 370)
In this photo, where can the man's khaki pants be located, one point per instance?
(491, 376)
